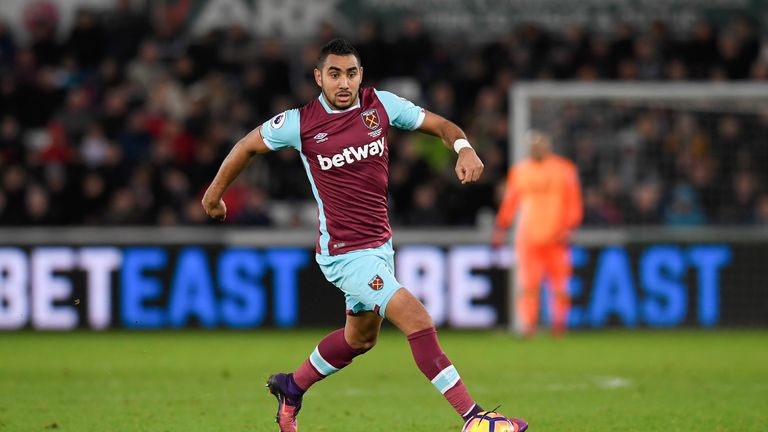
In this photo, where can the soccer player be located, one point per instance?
(342, 139)
(545, 188)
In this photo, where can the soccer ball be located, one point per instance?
(486, 421)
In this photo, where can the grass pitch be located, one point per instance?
(213, 381)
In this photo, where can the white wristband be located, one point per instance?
(460, 144)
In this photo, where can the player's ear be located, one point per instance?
(361, 73)
(318, 76)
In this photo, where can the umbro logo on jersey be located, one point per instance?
(351, 154)
(321, 137)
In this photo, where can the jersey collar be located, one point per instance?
(333, 111)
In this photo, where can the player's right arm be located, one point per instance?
(280, 132)
(235, 162)
(507, 210)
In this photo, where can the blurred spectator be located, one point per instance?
(412, 46)
(38, 209)
(761, 210)
(56, 147)
(684, 207)
(42, 19)
(645, 210)
(596, 213)
(175, 188)
(701, 50)
(614, 198)
(122, 209)
(7, 46)
(14, 180)
(9, 96)
(60, 195)
(86, 41)
(703, 178)
(370, 44)
(276, 69)
(649, 63)
(93, 198)
(740, 207)
(442, 100)
(254, 212)
(146, 68)
(76, 115)
(424, 209)
(135, 140)
(11, 147)
(236, 49)
(125, 29)
(94, 147)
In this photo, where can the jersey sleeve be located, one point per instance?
(509, 203)
(402, 113)
(282, 131)
(573, 204)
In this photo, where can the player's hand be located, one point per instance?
(499, 237)
(215, 209)
(468, 166)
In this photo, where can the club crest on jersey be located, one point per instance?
(371, 118)
(376, 283)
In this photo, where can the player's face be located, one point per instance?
(540, 146)
(340, 80)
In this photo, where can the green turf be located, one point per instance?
(213, 381)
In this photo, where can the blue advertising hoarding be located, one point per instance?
(462, 286)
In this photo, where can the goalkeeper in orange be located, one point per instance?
(545, 188)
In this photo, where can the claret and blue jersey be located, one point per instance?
(346, 157)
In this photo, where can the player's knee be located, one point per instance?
(424, 321)
(364, 344)
(417, 322)
(407, 313)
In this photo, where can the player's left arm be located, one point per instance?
(468, 166)
(573, 204)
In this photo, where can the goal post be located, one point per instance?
(611, 118)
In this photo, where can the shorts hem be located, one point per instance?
(385, 302)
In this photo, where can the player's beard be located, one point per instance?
(338, 105)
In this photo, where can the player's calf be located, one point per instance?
(332, 354)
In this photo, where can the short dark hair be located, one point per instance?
(337, 46)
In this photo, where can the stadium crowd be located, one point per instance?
(124, 121)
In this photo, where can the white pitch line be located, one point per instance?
(612, 382)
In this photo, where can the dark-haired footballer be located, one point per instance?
(342, 139)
